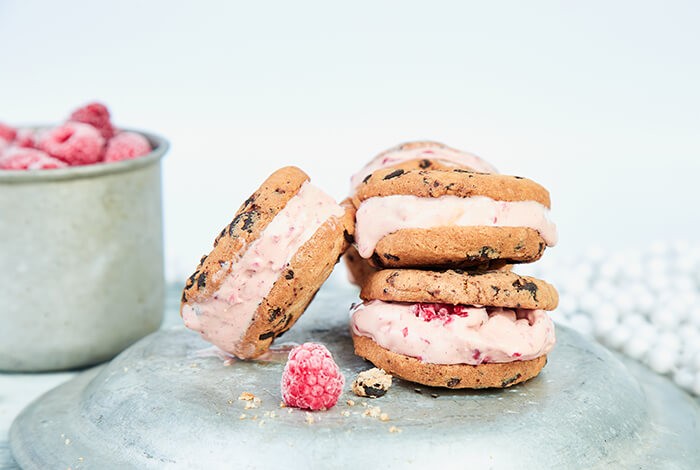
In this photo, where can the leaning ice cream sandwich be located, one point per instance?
(266, 265)
(454, 329)
(451, 218)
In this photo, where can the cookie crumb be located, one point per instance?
(253, 404)
(383, 417)
(283, 404)
(394, 429)
(372, 412)
(434, 395)
(345, 413)
(247, 396)
(243, 416)
(418, 391)
(372, 383)
(350, 402)
(309, 418)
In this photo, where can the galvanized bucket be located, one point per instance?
(81, 261)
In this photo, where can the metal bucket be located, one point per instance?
(81, 261)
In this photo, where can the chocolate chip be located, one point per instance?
(377, 260)
(434, 395)
(250, 200)
(269, 334)
(348, 238)
(289, 275)
(436, 184)
(202, 281)
(367, 178)
(394, 174)
(373, 392)
(273, 313)
(488, 252)
(391, 257)
(453, 382)
(510, 380)
(460, 170)
(518, 177)
(529, 286)
(184, 296)
(496, 290)
(392, 278)
(425, 164)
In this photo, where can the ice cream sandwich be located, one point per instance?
(450, 218)
(266, 265)
(416, 155)
(455, 329)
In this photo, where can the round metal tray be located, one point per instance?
(167, 403)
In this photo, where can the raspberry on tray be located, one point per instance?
(311, 379)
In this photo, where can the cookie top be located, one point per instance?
(250, 220)
(490, 288)
(455, 182)
(423, 155)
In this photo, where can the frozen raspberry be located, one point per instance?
(125, 146)
(25, 138)
(311, 379)
(18, 158)
(74, 143)
(97, 115)
(429, 312)
(8, 133)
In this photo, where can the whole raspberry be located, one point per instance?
(8, 133)
(18, 158)
(97, 115)
(311, 379)
(125, 146)
(74, 143)
(25, 138)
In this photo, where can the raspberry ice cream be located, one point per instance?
(381, 216)
(446, 334)
(422, 151)
(224, 317)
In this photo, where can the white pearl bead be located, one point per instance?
(603, 325)
(661, 360)
(684, 378)
(669, 341)
(636, 347)
(582, 324)
(618, 336)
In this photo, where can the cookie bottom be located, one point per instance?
(492, 375)
(458, 247)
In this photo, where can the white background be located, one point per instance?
(598, 101)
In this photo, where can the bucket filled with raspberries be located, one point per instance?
(81, 241)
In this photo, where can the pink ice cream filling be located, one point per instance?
(224, 317)
(378, 217)
(445, 155)
(455, 334)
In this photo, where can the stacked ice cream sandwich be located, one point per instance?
(436, 232)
